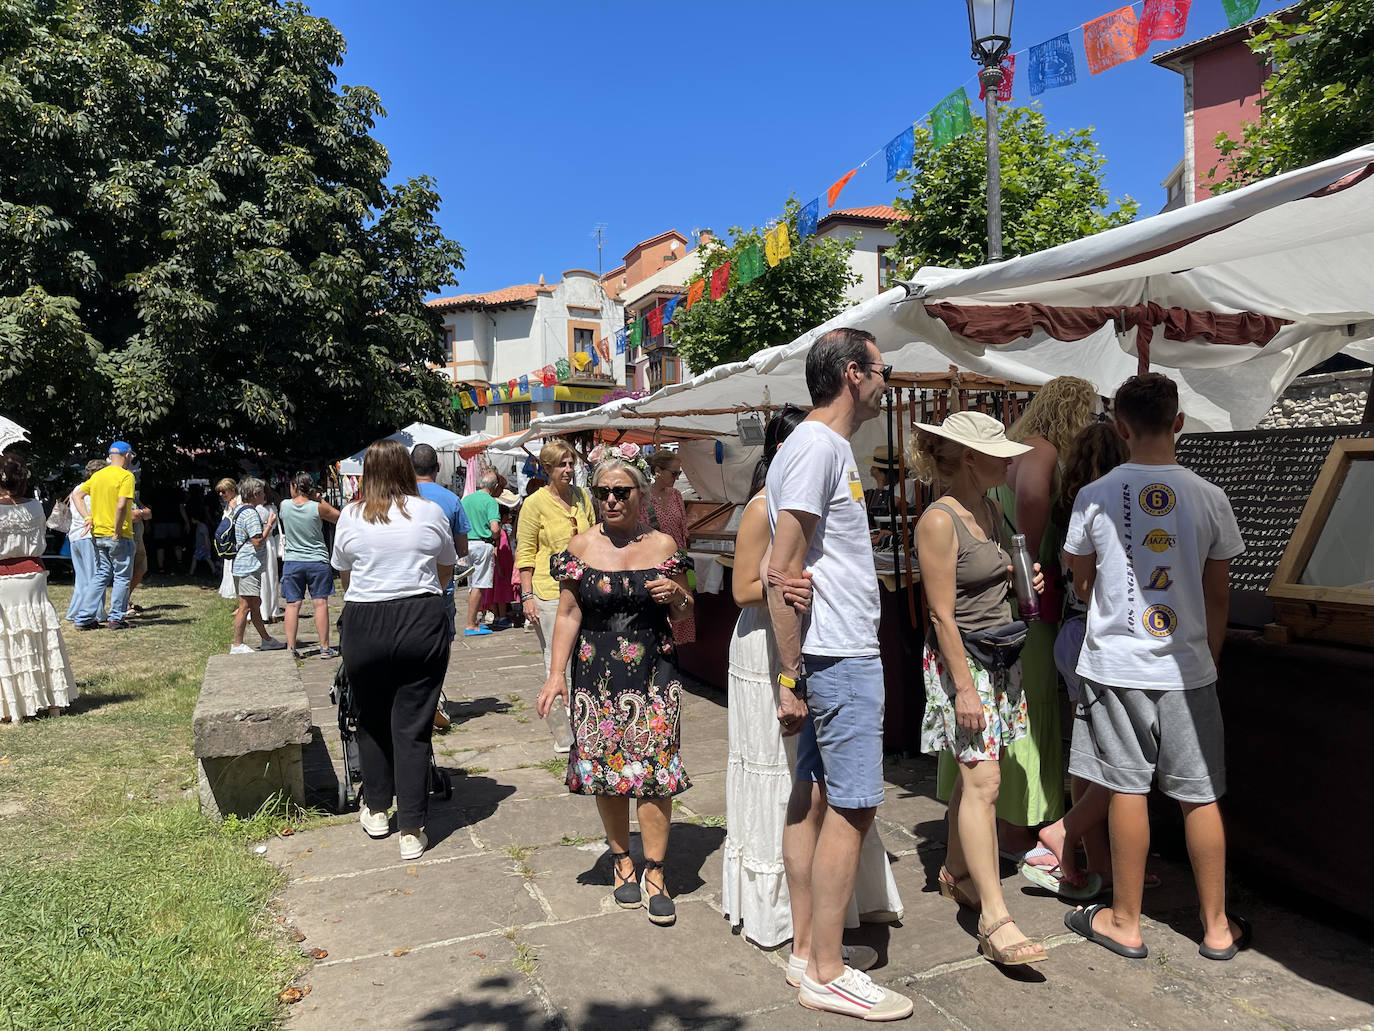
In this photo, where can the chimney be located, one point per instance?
(704, 236)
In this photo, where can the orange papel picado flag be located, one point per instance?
(694, 292)
(833, 194)
(777, 244)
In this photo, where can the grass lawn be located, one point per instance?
(121, 907)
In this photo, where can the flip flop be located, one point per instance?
(1080, 922)
(1052, 878)
(1243, 942)
(481, 631)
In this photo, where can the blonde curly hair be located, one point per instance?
(932, 458)
(1059, 410)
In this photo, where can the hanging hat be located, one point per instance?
(508, 498)
(885, 458)
(980, 432)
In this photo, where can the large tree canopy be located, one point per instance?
(1318, 101)
(198, 248)
(1052, 192)
(801, 291)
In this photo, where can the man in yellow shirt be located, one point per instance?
(105, 504)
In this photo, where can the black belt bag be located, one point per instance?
(997, 648)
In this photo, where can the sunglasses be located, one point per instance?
(621, 493)
(883, 370)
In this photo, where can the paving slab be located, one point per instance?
(472, 985)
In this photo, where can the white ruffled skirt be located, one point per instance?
(35, 672)
(758, 781)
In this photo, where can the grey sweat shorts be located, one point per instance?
(1124, 736)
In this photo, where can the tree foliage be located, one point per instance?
(1318, 101)
(198, 248)
(1052, 192)
(800, 292)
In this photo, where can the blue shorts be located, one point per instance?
(841, 742)
(297, 576)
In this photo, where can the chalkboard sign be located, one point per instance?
(1268, 475)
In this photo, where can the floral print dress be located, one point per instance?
(626, 692)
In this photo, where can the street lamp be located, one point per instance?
(989, 27)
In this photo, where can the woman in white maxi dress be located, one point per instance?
(271, 573)
(758, 774)
(228, 491)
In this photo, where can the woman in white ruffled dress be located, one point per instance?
(272, 609)
(228, 491)
(35, 673)
(758, 774)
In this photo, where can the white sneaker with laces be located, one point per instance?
(413, 845)
(271, 644)
(241, 649)
(860, 957)
(377, 825)
(854, 994)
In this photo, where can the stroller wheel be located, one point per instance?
(444, 789)
(345, 803)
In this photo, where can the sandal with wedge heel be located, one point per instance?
(950, 889)
(1008, 957)
(662, 910)
(627, 894)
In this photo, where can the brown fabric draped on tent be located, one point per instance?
(997, 324)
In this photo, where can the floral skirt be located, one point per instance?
(1004, 711)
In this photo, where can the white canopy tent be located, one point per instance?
(416, 433)
(11, 433)
(1297, 247)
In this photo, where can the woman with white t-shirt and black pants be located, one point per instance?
(395, 552)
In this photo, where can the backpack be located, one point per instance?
(226, 541)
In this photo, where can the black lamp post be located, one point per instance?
(989, 27)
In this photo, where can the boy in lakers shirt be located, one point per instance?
(1151, 545)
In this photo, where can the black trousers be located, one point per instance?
(396, 653)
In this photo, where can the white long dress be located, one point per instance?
(35, 672)
(271, 574)
(226, 582)
(758, 780)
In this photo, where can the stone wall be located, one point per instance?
(1330, 399)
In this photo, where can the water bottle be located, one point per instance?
(1023, 573)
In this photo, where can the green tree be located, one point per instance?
(1319, 100)
(199, 250)
(1052, 192)
(800, 292)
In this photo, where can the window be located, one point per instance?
(887, 270)
(664, 369)
(450, 347)
(583, 339)
(519, 413)
(567, 407)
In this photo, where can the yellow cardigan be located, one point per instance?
(545, 529)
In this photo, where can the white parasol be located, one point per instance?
(10, 433)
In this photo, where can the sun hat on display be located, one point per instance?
(980, 432)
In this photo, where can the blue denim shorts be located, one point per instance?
(297, 576)
(841, 742)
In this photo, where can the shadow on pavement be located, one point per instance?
(690, 845)
(474, 800)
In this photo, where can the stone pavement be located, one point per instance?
(507, 922)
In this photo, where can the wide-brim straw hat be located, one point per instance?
(508, 498)
(980, 432)
(884, 458)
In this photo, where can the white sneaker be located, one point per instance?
(413, 845)
(376, 824)
(854, 994)
(271, 644)
(241, 649)
(859, 957)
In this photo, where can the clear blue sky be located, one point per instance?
(539, 120)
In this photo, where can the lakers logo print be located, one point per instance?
(1160, 580)
(1159, 620)
(1160, 540)
(1157, 499)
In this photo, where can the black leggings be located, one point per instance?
(396, 654)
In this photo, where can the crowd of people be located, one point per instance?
(1127, 603)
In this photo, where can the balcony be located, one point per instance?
(598, 376)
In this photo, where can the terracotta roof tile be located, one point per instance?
(524, 293)
(885, 212)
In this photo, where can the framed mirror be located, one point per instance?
(1324, 585)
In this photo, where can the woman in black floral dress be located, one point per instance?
(621, 583)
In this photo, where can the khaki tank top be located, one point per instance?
(981, 597)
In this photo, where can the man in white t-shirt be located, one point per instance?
(830, 684)
(1150, 544)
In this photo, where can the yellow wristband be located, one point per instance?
(785, 681)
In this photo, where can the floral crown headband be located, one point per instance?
(629, 453)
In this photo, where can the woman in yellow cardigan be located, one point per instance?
(549, 518)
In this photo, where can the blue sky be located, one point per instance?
(540, 120)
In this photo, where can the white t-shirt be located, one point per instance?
(814, 472)
(395, 559)
(1152, 528)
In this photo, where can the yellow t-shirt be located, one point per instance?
(105, 489)
(545, 529)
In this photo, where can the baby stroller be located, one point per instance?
(341, 694)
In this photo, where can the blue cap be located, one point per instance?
(119, 447)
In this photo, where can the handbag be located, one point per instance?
(996, 648)
(61, 517)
